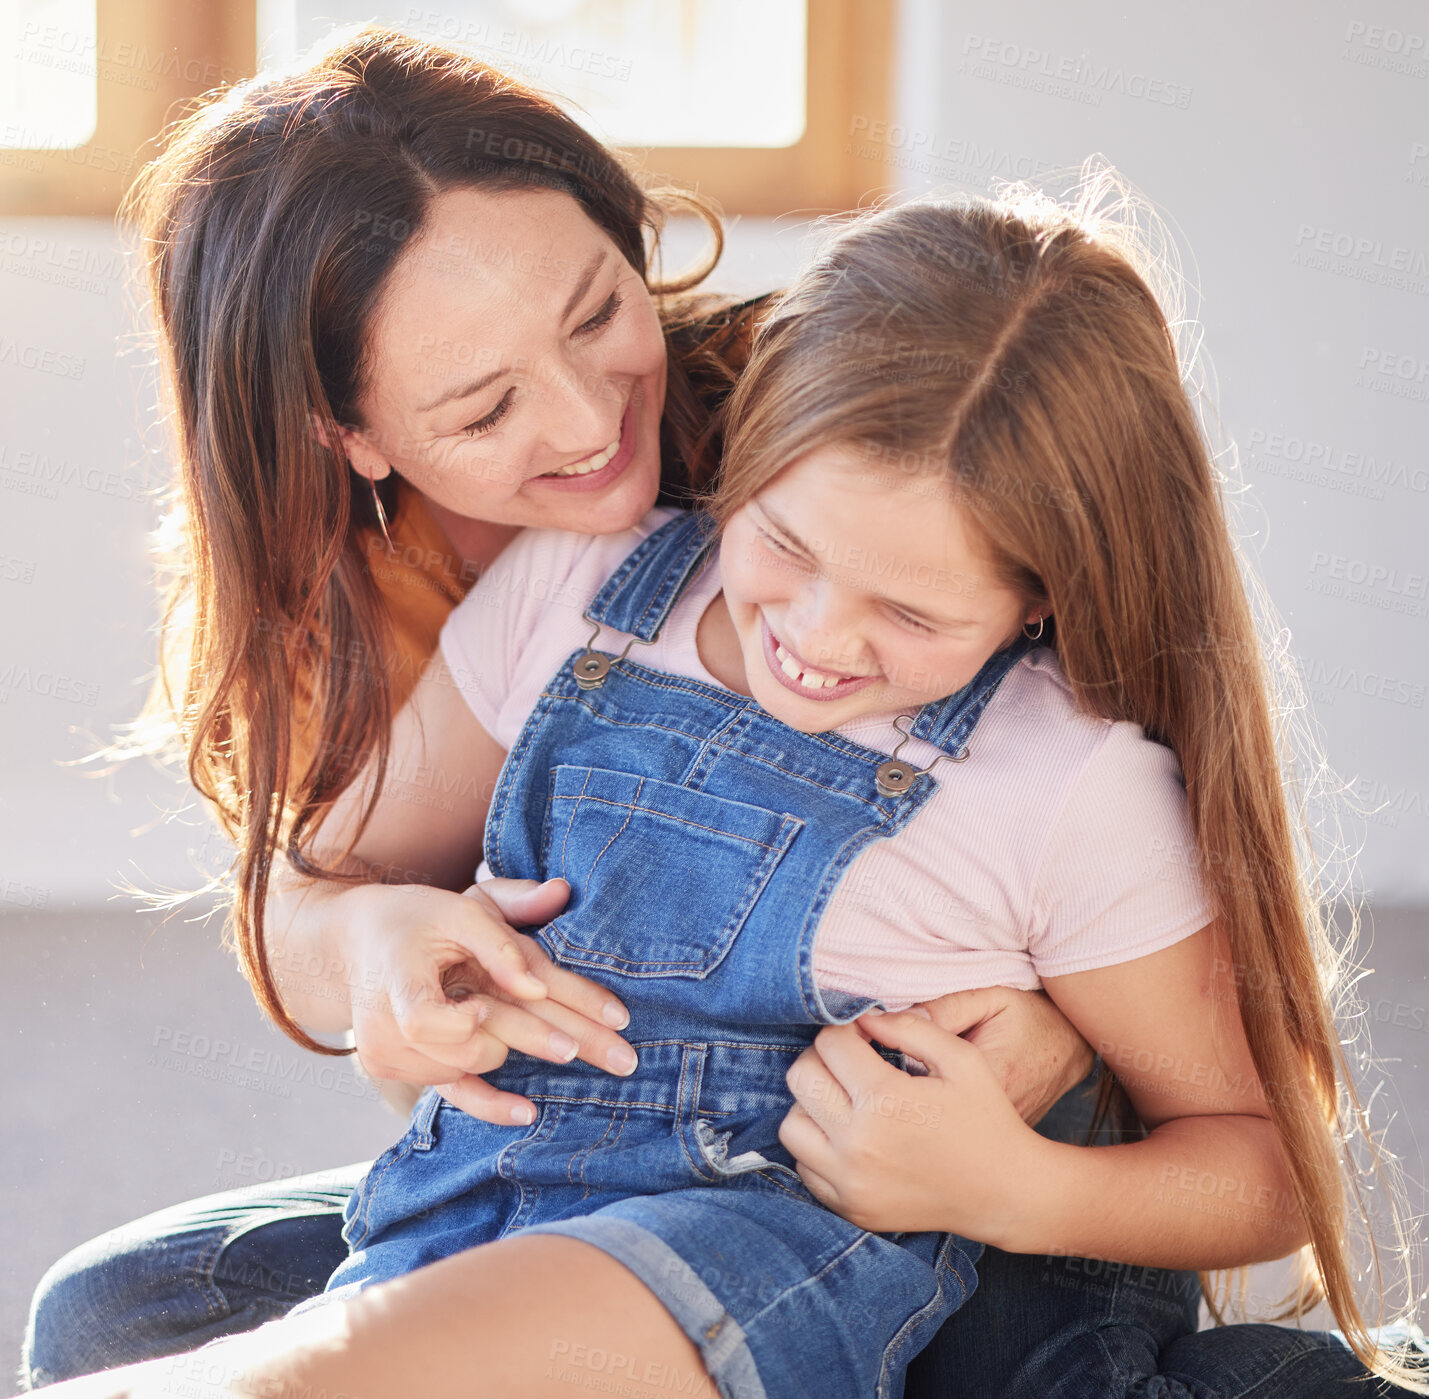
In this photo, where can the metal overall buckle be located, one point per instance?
(591, 666)
(894, 778)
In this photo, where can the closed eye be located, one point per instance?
(907, 621)
(603, 317)
(776, 544)
(492, 418)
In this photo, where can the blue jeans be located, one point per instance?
(1035, 1328)
(172, 1281)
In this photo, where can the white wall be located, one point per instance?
(1295, 128)
(1289, 147)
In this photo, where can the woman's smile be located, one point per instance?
(596, 472)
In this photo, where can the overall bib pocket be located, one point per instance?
(696, 862)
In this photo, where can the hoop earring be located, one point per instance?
(381, 515)
(1033, 635)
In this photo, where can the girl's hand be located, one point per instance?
(1033, 1049)
(442, 988)
(889, 1150)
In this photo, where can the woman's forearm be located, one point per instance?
(305, 923)
(310, 926)
(1197, 1192)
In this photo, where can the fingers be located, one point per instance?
(551, 1028)
(822, 1190)
(523, 901)
(941, 1050)
(804, 1140)
(816, 1091)
(587, 998)
(552, 1032)
(464, 991)
(479, 1099)
(420, 1036)
(485, 937)
(854, 1067)
(961, 1011)
(545, 1029)
(441, 1016)
(401, 1063)
(487, 933)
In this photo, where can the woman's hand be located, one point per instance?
(890, 1150)
(442, 988)
(1033, 1049)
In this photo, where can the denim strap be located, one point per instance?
(638, 596)
(947, 723)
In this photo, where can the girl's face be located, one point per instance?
(516, 367)
(854, 591)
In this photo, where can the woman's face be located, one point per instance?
(516, 367)
(855, 591)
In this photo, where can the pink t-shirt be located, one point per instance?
(1063, 843)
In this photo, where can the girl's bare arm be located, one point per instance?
(1208, 1187)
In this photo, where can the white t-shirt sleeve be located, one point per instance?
(1120, 875)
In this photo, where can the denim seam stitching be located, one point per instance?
(723, 939)
(639, 557)
(540, 1096)
(872, 756)
(901, 1339)
(629, 808)
(585, 1153)
(635, 673)
(809, 1281)
(496, 817)
(566, 834)
(702, 1169)
(369, 1191)
(544, 1130)
(669, 589)
(833, 874)
(685, 1090)
(207, 1263)
(633, 806)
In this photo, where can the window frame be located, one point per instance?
(849, 55)
(153, 57)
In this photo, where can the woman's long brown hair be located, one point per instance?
(1013, 354)
(269, 224)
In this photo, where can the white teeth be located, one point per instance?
(584, 468)
(809, 679)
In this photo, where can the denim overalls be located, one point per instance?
(702, 840)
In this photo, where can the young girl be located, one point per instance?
(972, 599)
(970, 613)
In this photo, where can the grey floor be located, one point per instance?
(140, 1074)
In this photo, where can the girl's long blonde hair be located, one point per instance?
(1014, 352)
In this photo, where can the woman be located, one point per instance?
(381, 371)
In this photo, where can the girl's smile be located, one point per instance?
(849, 593)
(804, 680)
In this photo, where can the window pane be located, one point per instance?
(48, 94)
(641, 72)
